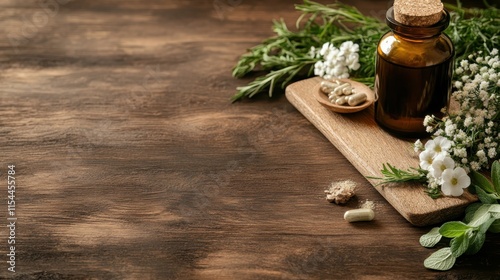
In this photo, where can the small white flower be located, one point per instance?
(319, 69)
(458, 84)
(450, 129)
(333, 57)
(492, 153)
(349, 47)
(426, 158)
(474, 68)
(312, 52)
(439, 145)
(418, 146)
(428, 120)
(440, 165)
(336, 62)
(493, 76)
(454, 181)
(481, 154)
(468, 121)
(464, 64)
(325, 49)
(474, 165)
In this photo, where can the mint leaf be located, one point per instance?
(495, 227)
(431, 238)
(476, 242)
(486, 225)
(484, 197)
(460, 244)
(479, 180)
(453, 229)
(495, 175)
(495, 211)
(470, 210)
(442, 259)
(481, 215)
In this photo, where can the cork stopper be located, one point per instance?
(418, 12)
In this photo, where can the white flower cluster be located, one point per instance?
(473, 129)
(336, 62)
(441, 167)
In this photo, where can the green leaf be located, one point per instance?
(479, 180)
(484, 197)
(431, 238)
(442, 259)
(453, 229)
(470, 210)
(481, 215)
(495, 211)
(495, 227)
(495, 175)
(476, 242)
(460, 244)
(486, 225)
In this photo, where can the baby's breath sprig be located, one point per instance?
(473, 127)
(467, 139)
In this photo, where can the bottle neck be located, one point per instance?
(417, 33)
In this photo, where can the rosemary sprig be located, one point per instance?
(392, 174)
(283, 76)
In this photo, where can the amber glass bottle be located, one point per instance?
(414, 69)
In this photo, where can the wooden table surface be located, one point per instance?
(131, 163)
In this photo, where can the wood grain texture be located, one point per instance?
(367, 147)
(132, 163)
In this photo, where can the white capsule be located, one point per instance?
(333, 98)
(359, 215)
(338, 90)
(327, 87)
(347, 90)
(341, 100)
(357, 99)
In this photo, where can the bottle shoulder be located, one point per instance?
(415, 52)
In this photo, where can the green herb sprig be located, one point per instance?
(473, 29)
(285, 57)
(467, 236)
(391, 174)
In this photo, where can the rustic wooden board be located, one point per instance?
(367, 147)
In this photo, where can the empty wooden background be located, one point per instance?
(131, 163)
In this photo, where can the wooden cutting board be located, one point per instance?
(367, 147)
